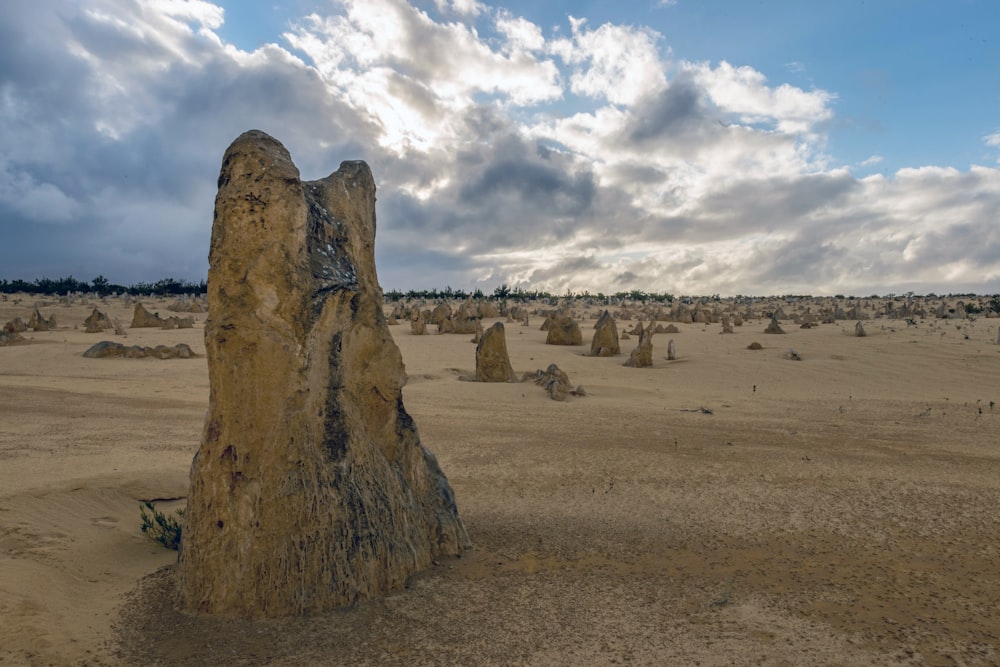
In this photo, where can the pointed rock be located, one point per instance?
(143, 318)
(492, 360)
(605, 341)
(773, 327)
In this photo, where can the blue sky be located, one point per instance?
(692, 147)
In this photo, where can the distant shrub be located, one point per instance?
(162, 528)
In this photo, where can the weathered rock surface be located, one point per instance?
(15, 325)
(563, 330)
(556, 383)
(143, 318)
(671, 350)
(418, 326)
(605, 342)
(107, 348)
(38, 322)
(311, 489)
(642, 355)
(492, 359)
(773, 327)
(97, 322)
(859, 330)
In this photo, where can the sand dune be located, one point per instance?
(729, 507)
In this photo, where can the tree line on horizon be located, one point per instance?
(504, 292)
(102, 286)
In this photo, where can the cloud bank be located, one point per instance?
(584, 158)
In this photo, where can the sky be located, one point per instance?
(692, 147)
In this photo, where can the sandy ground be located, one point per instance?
(839, 510)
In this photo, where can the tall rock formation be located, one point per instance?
(605, 342)
(311, 489)
(492, 360)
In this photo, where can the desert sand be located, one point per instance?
(728, 507)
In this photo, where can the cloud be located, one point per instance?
(743, 91)
(619, 64)
(503, 153)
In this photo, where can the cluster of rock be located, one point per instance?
(311, 489)
(37, 322)
(465, 319)
(188, 305)
(107, 348)
(142, 318)
(556, 383)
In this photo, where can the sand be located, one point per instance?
(729, 507)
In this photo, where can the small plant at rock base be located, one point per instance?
(161, 528)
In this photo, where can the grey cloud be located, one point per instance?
(671, 113)
(142, 202)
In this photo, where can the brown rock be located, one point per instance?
(97, 322)
(107, 348)
(605, 341)
(492, 360)
(143, 318)
(39, 323)
(859, 330)
(563, 330)
(791, 355)
(418, 326)
(311, 489)
(755, 346)
(487, 309)
(556, 383)
(642, 355)
(773, 327)
(440, 313)
(14, 326)
(671, 350)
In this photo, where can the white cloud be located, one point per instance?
(619, 64)
(415, 76)
(992, 139)
(521, 34)
(468, 8)
(743, 91)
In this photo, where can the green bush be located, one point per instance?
(161, 528)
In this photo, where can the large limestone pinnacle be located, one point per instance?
(311, 489)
